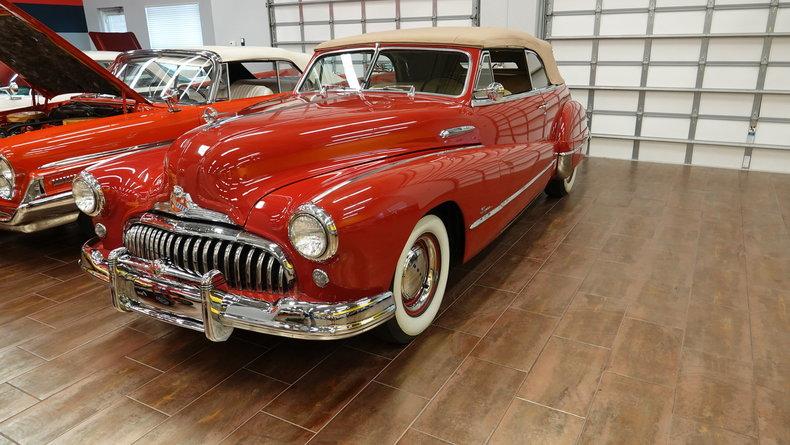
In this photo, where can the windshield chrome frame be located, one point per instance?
(377, 49)
(211, 56)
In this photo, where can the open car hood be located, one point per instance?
(50, 64)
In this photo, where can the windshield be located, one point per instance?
(419, 70)
(191, 75)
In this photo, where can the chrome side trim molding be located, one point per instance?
(198, 302)
(456, 131)
(510, 198)
(118, 151)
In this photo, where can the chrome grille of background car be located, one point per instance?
(244, 266)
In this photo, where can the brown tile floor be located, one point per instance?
(650, 307)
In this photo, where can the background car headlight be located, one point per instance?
(6, 179)
(313, 233)
(87, 194)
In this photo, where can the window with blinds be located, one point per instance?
(112, 19)
(174, 26)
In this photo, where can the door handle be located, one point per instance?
(543, 106)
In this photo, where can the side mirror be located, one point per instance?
(493, 92)
(170, 96)
(13, 88)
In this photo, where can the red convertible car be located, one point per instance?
(88, 113)
(340, 207)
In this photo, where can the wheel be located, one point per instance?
(557, 188)
(419, 282)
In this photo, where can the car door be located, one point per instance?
(515, 125)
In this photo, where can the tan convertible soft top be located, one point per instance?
(483, 37)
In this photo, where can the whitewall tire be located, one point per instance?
(557, 188)
(420, 280)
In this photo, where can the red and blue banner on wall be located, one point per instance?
(66, 17)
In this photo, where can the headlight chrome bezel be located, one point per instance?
(11, 180)
(325, 221)
(95, 188)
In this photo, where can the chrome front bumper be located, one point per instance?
(196, 302)
(40, 214)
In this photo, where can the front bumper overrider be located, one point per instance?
(39, 214)
(202, 302)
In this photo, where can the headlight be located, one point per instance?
(87, 194)
(313, 233)
(6, 179)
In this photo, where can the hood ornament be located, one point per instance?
(181, 204)
(210, 115)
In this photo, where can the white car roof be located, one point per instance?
(243, 53)
(102, 56)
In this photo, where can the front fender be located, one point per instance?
(131, 184)
(374, 210)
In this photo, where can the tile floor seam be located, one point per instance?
(546, 342)
(400, 389)
(130, 397)
(161, 371)
(755, 414)
(429, 435)
(549, 407)
(582, 342)
(9, 439)
(267, 376)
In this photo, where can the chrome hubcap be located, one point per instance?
(420, 275)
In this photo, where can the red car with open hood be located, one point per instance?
(339, 208)
(88, 113)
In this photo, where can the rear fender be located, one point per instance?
(569, 132)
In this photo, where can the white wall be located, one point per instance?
(135, 16)
(234, 19)
(515, 14)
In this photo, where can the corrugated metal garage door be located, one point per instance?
(682, 81)
(301, 25)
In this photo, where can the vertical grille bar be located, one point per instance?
(245, 266)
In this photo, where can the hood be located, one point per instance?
(50, 64)
(231, 165)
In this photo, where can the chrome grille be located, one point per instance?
(245, 266)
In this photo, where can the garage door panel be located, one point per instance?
(666, 3)
(679, 50)
(313, 12)
(717, 156)
(381, 26)
(287, 13)
(289, 33)
(722, 130)
(611, 148)
(573, 50)
(348, 10)
(379, 9)
(686, 22)
(576, 75)
(775, 105)
(782, 20)
(616, 100)
(770, 160)
(609, 124)
(672, 76)
(625, 4)
(415, 8)
(780, 50)
(580, 96)
(317, 33)
(735, 77)
(726, 104)
(347, 29)
(735, 49)
(776, 78)
(739, 20)
(416, 24)
(573, 25)
(618, 75)
(662, 152)
(665, 127)
(623, 24)
(574, 5)
(772, 133)
(621, 50)
(666, 102)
